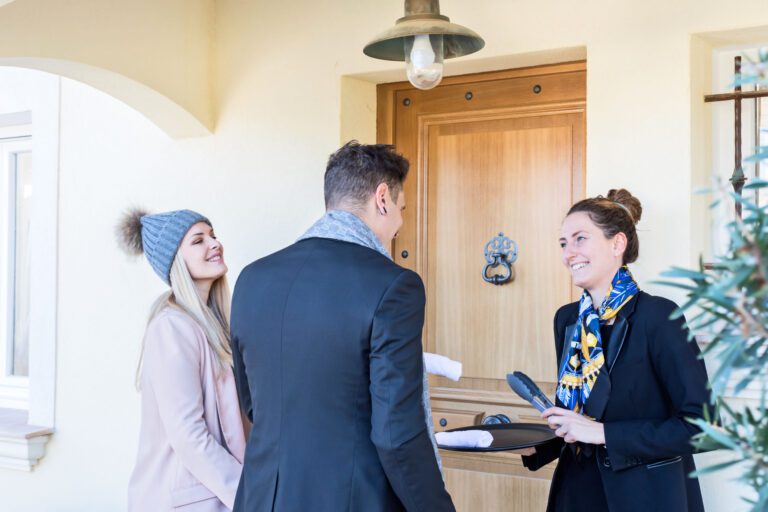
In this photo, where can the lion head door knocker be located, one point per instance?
(500, 251)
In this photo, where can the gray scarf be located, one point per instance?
(347, 227)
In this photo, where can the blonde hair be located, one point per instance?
(212, 317)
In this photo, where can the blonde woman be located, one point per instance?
(192, 442)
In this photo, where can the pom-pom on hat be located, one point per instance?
(157, 235)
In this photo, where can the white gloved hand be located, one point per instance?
(443, 366)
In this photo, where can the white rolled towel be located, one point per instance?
(443, 366)
(465, 439)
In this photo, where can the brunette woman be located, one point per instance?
(628, 378)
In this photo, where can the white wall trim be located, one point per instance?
(21, 445)
(22, 454)
(44, 242)
(14, 392)
(15, 120)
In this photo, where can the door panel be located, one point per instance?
(476, 491)
(482, 177)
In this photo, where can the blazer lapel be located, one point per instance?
(619, 333)
(569, 329)
(601, 393)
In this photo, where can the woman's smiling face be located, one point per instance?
(591, 258)
(203, 253)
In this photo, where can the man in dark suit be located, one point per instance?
(326, 339)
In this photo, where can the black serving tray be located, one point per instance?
(509, 436)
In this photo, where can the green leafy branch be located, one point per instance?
(729, 300)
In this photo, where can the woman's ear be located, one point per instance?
(619, 244)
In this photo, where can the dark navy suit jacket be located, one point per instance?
(326, 339)
(655, 381)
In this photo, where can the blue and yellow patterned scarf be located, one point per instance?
(580, 369)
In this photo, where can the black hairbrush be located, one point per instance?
(528, 391)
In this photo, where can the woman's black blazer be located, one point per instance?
(655, 381)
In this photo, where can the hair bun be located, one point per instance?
(625, 198)
(129, 231)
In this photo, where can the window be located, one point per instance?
(754, 133)
(15, 215)
(29, 207)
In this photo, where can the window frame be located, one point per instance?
(25, 432)
(14, 390)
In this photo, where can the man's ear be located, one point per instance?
(381, 198)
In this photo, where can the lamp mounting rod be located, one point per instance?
(422, 7)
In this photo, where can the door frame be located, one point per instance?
(386, 93)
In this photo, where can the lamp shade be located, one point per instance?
(457, 40)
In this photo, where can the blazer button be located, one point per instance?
(607, 462)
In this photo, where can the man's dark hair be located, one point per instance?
(355, 170)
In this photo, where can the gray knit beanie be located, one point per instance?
(158, 236)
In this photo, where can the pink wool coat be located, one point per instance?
(191, 443)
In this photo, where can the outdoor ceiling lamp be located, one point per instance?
(423, 38)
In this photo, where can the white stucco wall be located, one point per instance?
(278, 95)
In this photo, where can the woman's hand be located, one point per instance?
(573, 427)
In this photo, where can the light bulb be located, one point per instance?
(424, 60)
(422, 54)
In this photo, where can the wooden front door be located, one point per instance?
(490, 153)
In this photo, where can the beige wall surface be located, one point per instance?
(281, 103)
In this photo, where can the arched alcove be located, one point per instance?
(168, 115)
(153, 56)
